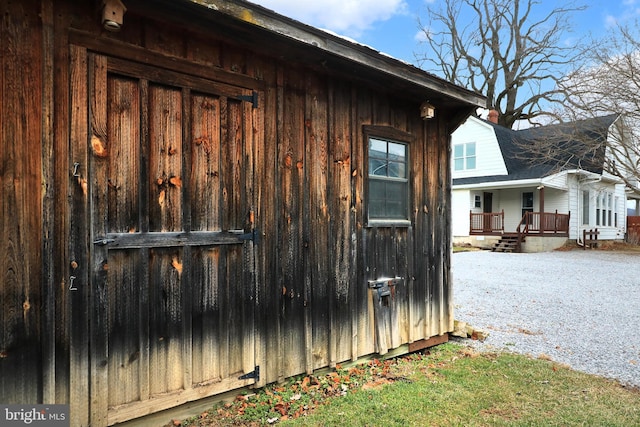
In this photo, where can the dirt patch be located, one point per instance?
(605, 245)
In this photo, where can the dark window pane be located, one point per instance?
(377, 167)
(377, 148)
(397, 170)
(397, 151)
(387, 199)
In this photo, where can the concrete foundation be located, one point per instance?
(532, 243)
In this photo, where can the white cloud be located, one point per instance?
(627, 12)
(349, 17)
(421, 36)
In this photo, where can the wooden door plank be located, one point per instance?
(165, 159)
(98, 163)
(233, 217)
(263, 200)
(121, 147)
(223, 282)
(165, 321)
(204, 138)
(248, 249)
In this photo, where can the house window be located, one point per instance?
(388, 196)
(604, 210)
(477, 201)
(527, 202)
(585, 208)
(615, 212)
(464, 156)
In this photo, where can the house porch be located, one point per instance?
(536, 232)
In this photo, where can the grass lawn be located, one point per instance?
(449, 385)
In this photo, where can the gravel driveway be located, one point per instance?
(581, 308)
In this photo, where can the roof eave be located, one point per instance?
(339, 47)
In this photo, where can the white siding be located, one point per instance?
(558, 180)
(488, 155)
(460, 207)
(511, 202)
(596, 190)
(554, 200)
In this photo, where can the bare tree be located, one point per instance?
(608, 83)
(513, 51)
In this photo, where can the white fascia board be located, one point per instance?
(500, 184)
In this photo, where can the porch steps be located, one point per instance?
(507, 243)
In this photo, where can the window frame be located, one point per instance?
(522, 202)
(477, 201)
(383, 133)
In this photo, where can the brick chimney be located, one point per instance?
(493, 116)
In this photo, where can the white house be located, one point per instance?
(501, 193)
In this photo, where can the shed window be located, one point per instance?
(388, 197)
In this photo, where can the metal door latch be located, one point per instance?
(384, 285)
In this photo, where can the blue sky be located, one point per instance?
(391, 26)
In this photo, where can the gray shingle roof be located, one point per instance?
(569, 140)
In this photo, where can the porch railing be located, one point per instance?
(532, 223)
(486, 223)
(544, 223)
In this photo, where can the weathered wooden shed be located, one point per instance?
(204, 199)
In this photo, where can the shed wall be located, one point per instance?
(312, 306)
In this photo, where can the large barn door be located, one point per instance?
(172, 278)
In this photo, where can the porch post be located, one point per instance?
(541, 189)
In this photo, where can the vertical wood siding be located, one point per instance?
(164, 146)
(21, 289)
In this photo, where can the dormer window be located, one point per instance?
(464, 156)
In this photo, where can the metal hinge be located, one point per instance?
(255, 374)
(253, 99)
(253, 235)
